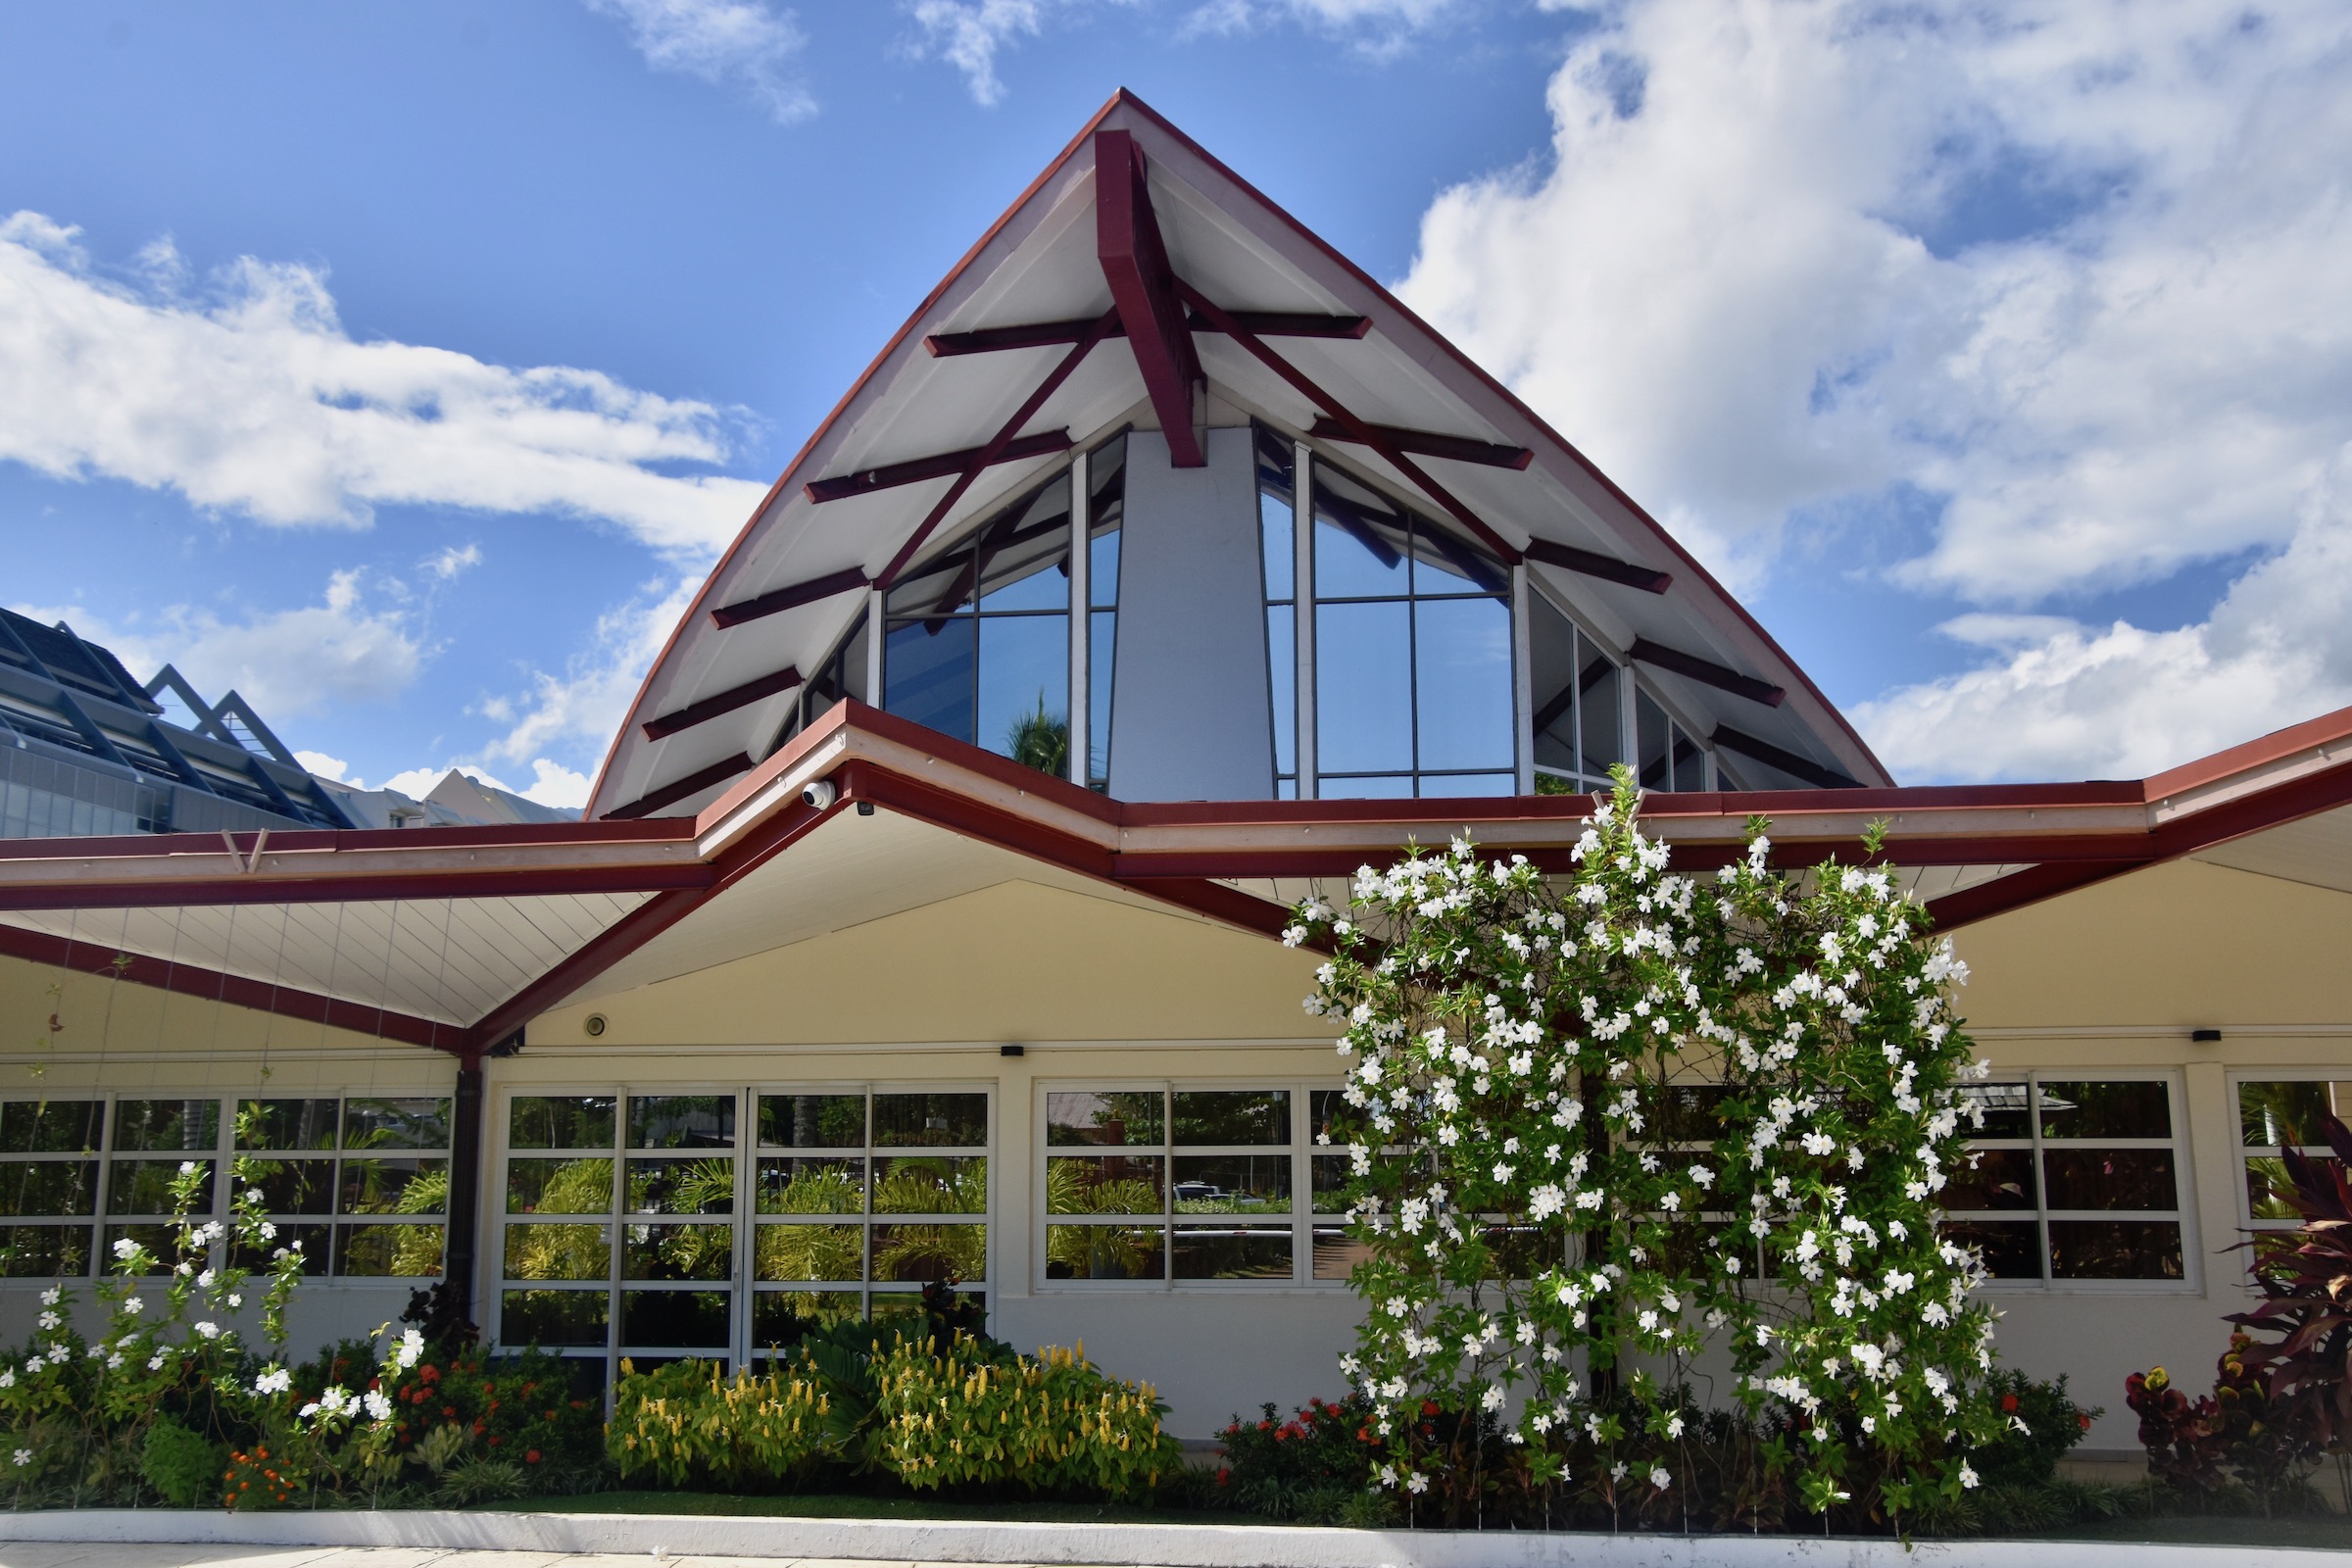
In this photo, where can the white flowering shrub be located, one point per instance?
(1606, 1120)
(76, 1411)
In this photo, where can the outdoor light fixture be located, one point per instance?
(595, 1024)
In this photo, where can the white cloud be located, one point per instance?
(287, 663)
(253, 398)
(1377, 26)
(452, 562)
(1723, 288)
(746, 42)
(581, 709)
(327, 766)
(967, 33)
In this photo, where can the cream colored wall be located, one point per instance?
(1016, 961)
(2115, 977)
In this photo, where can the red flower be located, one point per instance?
(530, 1457)
(1224, 1476)
(2083, 1420)
(2008, 1403)
(1429, 1407)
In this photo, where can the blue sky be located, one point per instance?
(400, 363)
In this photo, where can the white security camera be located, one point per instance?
(820, 795)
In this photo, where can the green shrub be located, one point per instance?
(182, 1465)
(2043, 1426)
(1306, 1468)
(957, 1416)
(683, 1425)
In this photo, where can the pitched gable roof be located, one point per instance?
(718, 694)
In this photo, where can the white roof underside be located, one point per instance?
(447, 959)
(1040, 266)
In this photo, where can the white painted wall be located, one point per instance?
(1190, 713)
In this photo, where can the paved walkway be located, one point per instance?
(52, 1554)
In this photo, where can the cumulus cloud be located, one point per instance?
(2072, 269)
(252, 398)
(356, 645)
(746, 43)
(967, 33)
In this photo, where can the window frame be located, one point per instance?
(103, 1227)
(2183, 1214)
(743, 1220)
(2241, 1151)
(1299, 1223)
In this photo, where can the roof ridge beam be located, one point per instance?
(1052, 334)
(727, 702)
(1429, 444)
(1134, 256)
(1706, 673)
(1591, 563)
(865, 481)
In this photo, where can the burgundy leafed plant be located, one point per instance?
(2306, 1281)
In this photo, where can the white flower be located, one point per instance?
(188, 1167)
(33, 1366)
(155, 1362)
(1968, 1477)
(53, 1295)
(1491, 1399)
(1659, 1477)
(380, 1407)
(277, 1380)
(237, 1300)
(409, 1351)
(23, 1458)
(114, 1363)
(133, 1305)
(50, 1320)
(1419, 1483)
(268, 1231)
(204, 1281)
(211, 1330)
(124, 1248)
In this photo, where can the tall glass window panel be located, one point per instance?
(1668, 759)
(1576, 720)
(978, 643)
(1106, 482)
(1413, 689)
(1278, 553)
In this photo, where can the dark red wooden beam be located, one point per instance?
(1048, 334)
(694, 783)
(998, 442)
(1706, 672)
(1359, 432)
(792, 598)
(1729, 739)
(1142, 288)
(1460, 447)
(727, 702)
(1593, 564)
(916, 469)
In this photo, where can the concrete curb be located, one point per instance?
(914, 1541)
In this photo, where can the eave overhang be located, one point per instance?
(460, 936)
